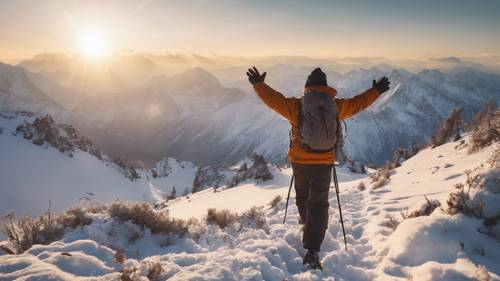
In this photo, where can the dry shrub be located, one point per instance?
(155, 270)
(457, 201)
(128, 274)
(425, 210)
(486, 126)
(361, 186)
(120, 256)
(143, 215)
(74, 217)
(381, 177)
(449, 129)
(255, 218)
(494, 159)
(222, 217)
(24, 232)
(390, 222)
(45, 229)
(152, 270)
(275, 201)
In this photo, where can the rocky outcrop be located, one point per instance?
(44, 131)
(208, 177)
(258, 171)
(64, 137)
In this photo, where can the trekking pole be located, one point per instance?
(336, 182)
(288, 198)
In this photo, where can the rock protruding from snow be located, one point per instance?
(208, 177)
(45, 131)
(258, 171)
(126, 168)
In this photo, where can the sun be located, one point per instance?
(94, 44)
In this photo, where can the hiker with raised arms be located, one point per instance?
(315, 136)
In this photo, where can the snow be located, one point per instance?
(435, 247)
(32, 176)
(174, 173)
(27, 169)
(241, 198)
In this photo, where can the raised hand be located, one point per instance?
(382, 84)
(254, 76)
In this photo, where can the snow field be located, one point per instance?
(435, 247)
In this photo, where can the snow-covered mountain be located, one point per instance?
(19, 93)
(394, 232)
(192, 116)
(69, 169)
(47, 161)
(409, 113)
(413, 109)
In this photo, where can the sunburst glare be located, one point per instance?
(94, 44)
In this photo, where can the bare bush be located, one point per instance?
(424, 210)
(361, 186)
(144, 270)
(45, 229)
(143, 215)
(449, 129)
(486, 126)
(22, 233)
(73, 217)
(390, 222)
(379, 183)
(155, 270)
(128, 274)
(457, 201)
(486, 113)
(494, 159)
(222, 217)
(381, 177)
(275, 201)
(255, 218)
(120, 256)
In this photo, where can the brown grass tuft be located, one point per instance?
(222, 217)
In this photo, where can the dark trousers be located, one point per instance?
(312, 183)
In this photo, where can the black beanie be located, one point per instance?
(316, 78)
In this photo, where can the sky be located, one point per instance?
(384, 28)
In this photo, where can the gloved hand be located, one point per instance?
(254, 76)
(382, 84)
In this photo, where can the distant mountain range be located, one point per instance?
(193, 116)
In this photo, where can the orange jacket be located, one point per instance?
(289, 108)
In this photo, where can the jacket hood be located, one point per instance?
(322, 89)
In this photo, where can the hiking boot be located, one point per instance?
(312, 259)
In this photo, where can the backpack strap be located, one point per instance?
(299, 124)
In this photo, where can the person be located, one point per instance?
(312, 169)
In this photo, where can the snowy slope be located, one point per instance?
(242, 197)
(435, 247)
(66, 178)
(32, 175)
